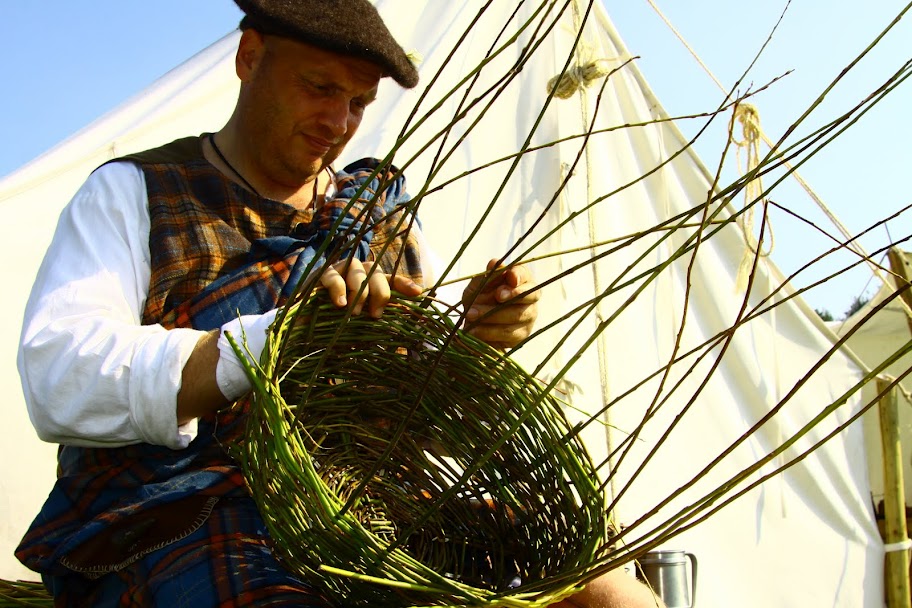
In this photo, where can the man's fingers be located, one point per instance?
(335, 286)
(500, 285)
(503, 315)
(517, 275)
(525, 293)
(482, 287)
(506, 295)
(341, 288)
(501, 326)
(506, 302)
(501, 335)
(377, 286)
(517, 283)
(354, 279)
(501, 306)
(405, 285)
(379, 293)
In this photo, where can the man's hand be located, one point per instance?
(501, 306)
(376, 293)
(615, 589)
(200, 393)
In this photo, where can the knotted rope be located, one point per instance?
(749, 118)
(565, 85)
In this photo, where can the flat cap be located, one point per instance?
(349, 27)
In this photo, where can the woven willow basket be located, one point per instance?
(398, 462)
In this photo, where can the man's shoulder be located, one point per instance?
(178, 151)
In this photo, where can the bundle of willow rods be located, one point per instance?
(398, 462)
(24, 593)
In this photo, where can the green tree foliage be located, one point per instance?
(857, 304)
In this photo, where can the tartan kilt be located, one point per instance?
(225, 563)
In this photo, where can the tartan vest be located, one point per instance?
(217, 250)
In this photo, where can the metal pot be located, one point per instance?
(666, 572)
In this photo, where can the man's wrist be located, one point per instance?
(249, 332)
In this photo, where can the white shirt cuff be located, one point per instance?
(249, 331)
(153, 411)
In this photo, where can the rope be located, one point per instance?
(749, 117)
(565, 85)
(584, 57)
(903, 545)
(851, 242)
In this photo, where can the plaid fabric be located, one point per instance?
(217, 250)
(225, 563)
(260, 249)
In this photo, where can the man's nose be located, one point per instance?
(335, 116)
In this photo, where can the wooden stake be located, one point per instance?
(901, 278)
(897, 562)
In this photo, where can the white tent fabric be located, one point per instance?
(879, 335)
(806, 537)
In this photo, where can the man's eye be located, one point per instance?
(319, 88)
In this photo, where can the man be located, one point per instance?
(124, 357)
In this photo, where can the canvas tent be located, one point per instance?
(882, 329)
(806, 537)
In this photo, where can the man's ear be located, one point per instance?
(250, 51)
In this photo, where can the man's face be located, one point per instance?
(302, 105)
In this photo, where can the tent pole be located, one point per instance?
(895, 532)
(900, 278)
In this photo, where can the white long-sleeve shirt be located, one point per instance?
(92, 375)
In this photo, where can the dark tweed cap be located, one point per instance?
(350, 27)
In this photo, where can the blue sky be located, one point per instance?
(68, 63)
